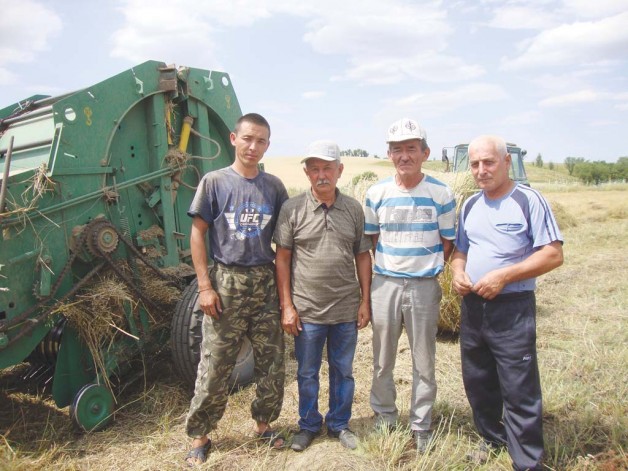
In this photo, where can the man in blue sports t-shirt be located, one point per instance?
(506, 237)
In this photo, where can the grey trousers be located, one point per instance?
(413, 303)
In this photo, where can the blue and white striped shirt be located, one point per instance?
(410, 224)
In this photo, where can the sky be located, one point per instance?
(549, 75)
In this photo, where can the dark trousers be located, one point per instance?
(501, 375)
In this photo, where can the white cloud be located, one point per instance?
(444, 101)
(383, 42)
(26, 27)
(595, 9)
(602, 123)
(568, 99)
(150, 30)
(575, 44)
(522, 118)
(390, 42)
(311, 95)
(584, 96)
(522, 17)
(424, 67)
(379, 29)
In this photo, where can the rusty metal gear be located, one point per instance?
(103, 238)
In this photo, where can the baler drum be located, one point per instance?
(48, 349)
(92, 408)
(44, 357)
(186, 337)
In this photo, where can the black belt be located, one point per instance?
(501, 298)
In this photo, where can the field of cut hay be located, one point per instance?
(583, 354)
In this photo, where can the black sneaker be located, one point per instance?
(302, 439)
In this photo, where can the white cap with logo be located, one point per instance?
(405, 129)
(324, 150)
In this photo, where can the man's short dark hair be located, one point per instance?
(252, 118)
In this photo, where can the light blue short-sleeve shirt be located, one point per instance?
(498, 233)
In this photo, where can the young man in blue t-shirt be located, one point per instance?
(238, 206)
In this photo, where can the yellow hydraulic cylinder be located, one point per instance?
(185, 133)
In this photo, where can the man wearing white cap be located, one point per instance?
(320, 243)
(410, 218)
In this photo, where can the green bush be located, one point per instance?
(367, 176)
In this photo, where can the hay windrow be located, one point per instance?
(463, 186)
(563, 217)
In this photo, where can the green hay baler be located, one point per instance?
(94, 180)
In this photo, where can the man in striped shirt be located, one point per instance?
(507, 236)
(410, 218)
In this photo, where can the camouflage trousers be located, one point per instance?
(250, 307)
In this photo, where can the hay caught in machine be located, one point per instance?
(37, 186)
(104, 310)
(98, 315)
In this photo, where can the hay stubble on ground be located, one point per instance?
(583, 355)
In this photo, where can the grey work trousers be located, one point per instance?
(412, 303)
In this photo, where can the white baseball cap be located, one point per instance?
(325, 150)
(405, 129)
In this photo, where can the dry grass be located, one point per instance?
(37, 187)
(583, 354)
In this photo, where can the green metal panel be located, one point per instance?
(100, 152)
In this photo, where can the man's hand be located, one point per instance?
(491, 284)
(364, 314)
(210, 303)
(290, 321)
(462, 283)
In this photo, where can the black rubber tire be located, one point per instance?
(186, 336)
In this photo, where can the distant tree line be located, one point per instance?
(598, 171)
(354, 153)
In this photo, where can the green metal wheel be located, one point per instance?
(92, 408)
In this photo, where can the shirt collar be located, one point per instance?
(338, 204)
